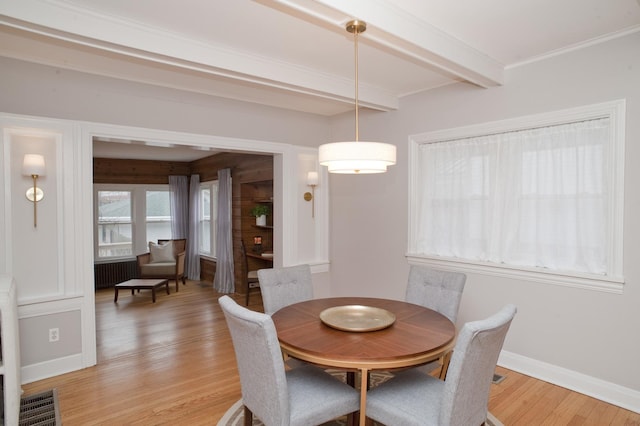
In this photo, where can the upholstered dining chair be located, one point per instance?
(285, 286)
(415, 398)
(437, 290)
(250, 276)
(301, 396)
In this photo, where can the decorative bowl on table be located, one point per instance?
(357, 318)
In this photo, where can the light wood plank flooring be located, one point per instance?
(172, 362)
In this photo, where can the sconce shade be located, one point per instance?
(33, 164)
(357, 157)
(312, 178)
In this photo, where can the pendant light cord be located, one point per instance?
(355, 157)
(355, 38)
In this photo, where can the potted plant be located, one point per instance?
(260, 212)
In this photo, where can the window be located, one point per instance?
(114, 224)
(128, 217)
(158, 217)
(208, 217)
(539, 194)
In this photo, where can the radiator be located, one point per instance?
(109, 274)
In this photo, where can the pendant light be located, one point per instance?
(357, 157)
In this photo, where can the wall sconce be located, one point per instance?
(312, 181)
(33, 166)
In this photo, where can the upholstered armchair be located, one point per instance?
(164, 260)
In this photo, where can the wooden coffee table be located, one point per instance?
(142, 284)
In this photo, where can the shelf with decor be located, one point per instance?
(257, 236)
(263, 226)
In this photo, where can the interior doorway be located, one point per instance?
(120, 144)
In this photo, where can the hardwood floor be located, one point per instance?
(172, 362)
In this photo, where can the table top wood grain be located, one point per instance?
(417, 336)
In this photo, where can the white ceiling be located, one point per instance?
(296, 54)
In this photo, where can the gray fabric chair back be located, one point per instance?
(285, 286)
(466, 389)
(260, 364)
(437, 290)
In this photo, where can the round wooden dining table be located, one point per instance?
(417, 336)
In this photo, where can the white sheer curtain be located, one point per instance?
(534, 198)
(223, 281)
(192, 262)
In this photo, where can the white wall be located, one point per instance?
(52, 92)
(51, 262)
(583, 338)
(56, 112)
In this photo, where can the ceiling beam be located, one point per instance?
(63, 21)
(405, 35)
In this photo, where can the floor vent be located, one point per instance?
(40, 409)
(497, 378)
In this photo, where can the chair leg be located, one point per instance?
(246, 301)
(351, 378)
(248, 417)
(446, 359)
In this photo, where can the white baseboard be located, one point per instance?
(611, 393)
(55, 367)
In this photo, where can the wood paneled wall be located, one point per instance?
(245, 168)
(111, 170)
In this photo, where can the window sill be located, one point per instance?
(588, 282)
